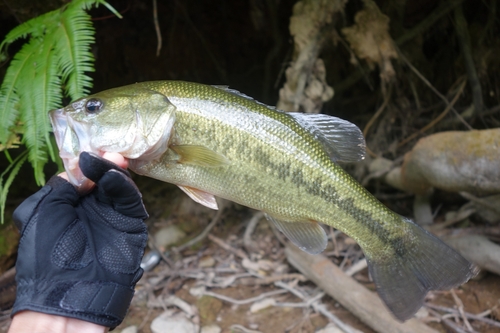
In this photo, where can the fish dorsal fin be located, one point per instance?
(342, 140)
(240, 94)
(199, 155)
(233, 91)
(308, 236)
(204, 198)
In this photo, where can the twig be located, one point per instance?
(445, 100)
(387, 97)
(227, 247)
(464, 42)
(461, 215)
(478, 317)
(480, 201)
(359, 266)
(438, 118)
(271, 279)
(333, 236)
(317, 307)
(204, 233)
(157, 28)
(244, 301)
(242, 329)
(252, 224)
(460, 307)
(448, 322)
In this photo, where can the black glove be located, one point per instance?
(79, 256)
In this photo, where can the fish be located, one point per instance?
(212, 141)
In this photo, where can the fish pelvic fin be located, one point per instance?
(201, 197)
(426, 264)
(309, 236)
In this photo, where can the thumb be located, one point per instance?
(119, 191)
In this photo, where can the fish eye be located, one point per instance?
(93, 105)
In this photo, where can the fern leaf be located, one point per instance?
(35, 27)
(57, 54)
(34, 129)
(47, 88)
(9, 98)
(74, 38)
(12, 171)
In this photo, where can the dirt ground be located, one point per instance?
(222, 271)
(168, 205)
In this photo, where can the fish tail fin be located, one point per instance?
(426, 264)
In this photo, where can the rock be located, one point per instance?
(170, 321)
(454, 161)
(479, 250)
(205, 262)
(208, 308)
(330, 328)
(130, 329)
(211, 329)
(263, 304)
(168, 236)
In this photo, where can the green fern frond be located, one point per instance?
(35, 27)
(74, 38)
(56, 55)
(9, 97)
(12, 171)
(33, 136)
(49, 95)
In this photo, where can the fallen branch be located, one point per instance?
(227, 247)
(314, 302)
(478, 317)
(460, 306)
(252, 224)
(244, 301)
(450, 324)
(363, 303)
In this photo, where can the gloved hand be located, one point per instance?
(79, 256)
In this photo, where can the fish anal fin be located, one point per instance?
(309, 236)
(201, 197)
(341, 139)
(199, 155)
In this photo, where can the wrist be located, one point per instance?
(31, 321)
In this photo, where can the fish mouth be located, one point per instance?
(72, 139)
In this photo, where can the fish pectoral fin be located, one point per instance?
(309, 236)
(204, 198)
(342, 140)
(199, 155)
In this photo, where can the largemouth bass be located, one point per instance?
(213, 141)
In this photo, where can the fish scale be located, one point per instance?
(213, 141)
(264, 157)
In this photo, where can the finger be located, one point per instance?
(94, 167)
(117, 159)
(64, 176)
(120, 191)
